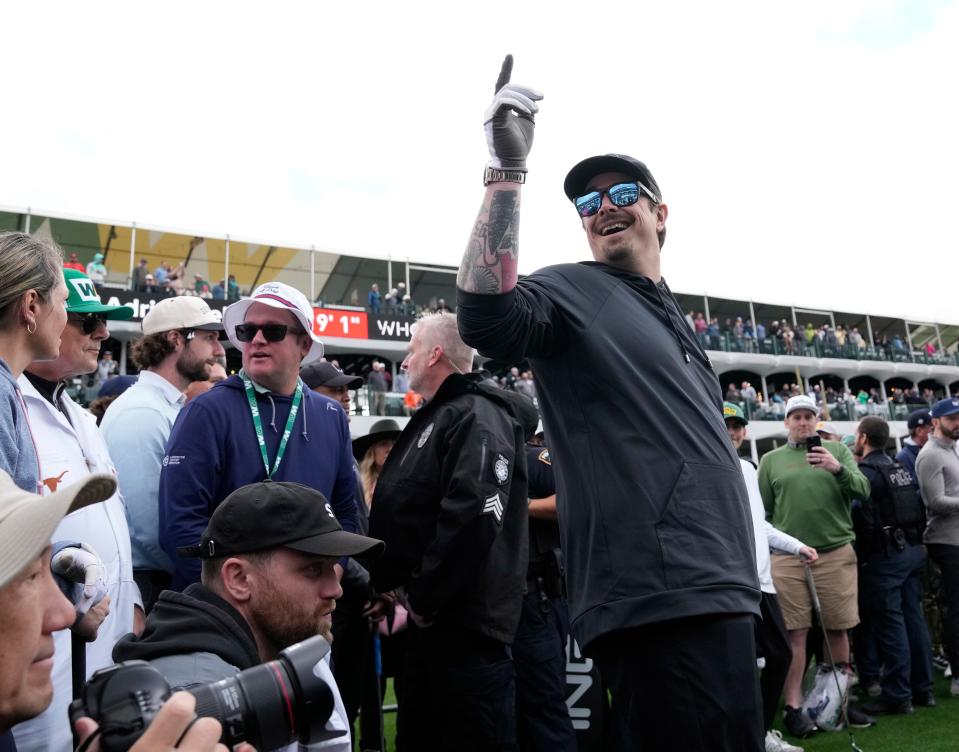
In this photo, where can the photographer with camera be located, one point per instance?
(267, 582)
(808, 486)
(32, 608)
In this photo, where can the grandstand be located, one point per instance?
(916, 354)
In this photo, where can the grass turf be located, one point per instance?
(928, 730)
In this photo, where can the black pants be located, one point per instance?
(772, 643)
(539, 655)
(947, 557)
(689, 684)
(459, 694)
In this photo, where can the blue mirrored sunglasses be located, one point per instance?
(621, 194)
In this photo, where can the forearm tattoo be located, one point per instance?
(489, 264)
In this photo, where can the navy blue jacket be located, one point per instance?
(213, 450)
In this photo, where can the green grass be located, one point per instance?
(928, 730)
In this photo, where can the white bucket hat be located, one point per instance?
(275, 295)
(27, 521)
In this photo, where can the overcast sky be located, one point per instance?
(808, 152)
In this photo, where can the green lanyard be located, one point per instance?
(258, 426)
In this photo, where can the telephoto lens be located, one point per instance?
(274, 704)
(270, 705)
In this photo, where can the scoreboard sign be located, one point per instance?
(332, 322)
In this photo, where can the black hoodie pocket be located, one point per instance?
(705, 531)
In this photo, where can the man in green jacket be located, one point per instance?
(808, 493)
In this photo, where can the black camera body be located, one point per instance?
(270, 705)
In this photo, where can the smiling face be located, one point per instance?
(31, 610)
(624, 236)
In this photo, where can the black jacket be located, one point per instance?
(194, 621)
(654, 516)
(451, 506)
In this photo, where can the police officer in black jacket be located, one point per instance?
(889, 526)
(451, 504)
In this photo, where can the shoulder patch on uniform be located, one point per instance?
(501, 469)
(424, 436)
(494, 506)
(544, 457)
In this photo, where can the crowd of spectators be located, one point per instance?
(781, 337)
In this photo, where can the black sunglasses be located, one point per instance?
(621, 194)
(88, 322)
(271, 332)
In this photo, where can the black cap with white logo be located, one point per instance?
(271, 514)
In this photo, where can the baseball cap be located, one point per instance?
(801, 402)
(918, 418)
(383, 430)
(84, 298)
(27, 521)
(271, 514)
(275, 295)
(948, 406)
(578, 178)
(325, 373)
(824, 427)
(181, 312)
(732, 411)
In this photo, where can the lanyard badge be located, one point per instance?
(258, 425)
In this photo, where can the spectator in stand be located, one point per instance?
(179, 347)
(441, 307)
(176, 278)
(748, 395)
(96, 270)
(937, 468)
(525, 385)
(891, 564)
(74, 263)
(161, 273)
(150, 286)
(106, 367)
(749, 335)
(219, 291)
(732, 393)
(373, 298)
(140, 276)
(700, 326)
(807, 494)
(376, 382)
(789, 340)
(691, 320)
(296, 434)
(232, 288)
(32, 318)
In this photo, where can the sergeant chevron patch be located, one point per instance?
(493, 506)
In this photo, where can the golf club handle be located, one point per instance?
(810, 583)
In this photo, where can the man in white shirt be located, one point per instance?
(772, 639)
(180, 346)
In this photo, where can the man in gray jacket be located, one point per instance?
(937, 467)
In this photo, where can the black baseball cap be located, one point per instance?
(918, 418)
(271, 514)
(325, 373)
(578, 178)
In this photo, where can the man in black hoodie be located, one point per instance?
(654, 518)
(451, 504)
(267, 582)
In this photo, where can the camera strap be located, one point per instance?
(258, 425)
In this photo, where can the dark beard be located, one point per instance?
(190, 369)
(282, 622)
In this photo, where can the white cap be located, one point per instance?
(275, 295)
(801, 402)
(824, 427)
(181, 312)
(27, 521)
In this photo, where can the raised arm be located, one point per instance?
(489, 264)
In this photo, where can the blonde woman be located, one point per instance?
(33, 313)
(371, 452)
